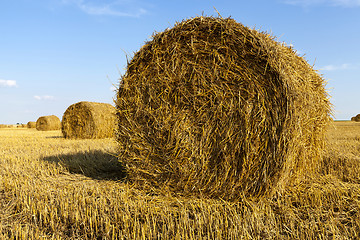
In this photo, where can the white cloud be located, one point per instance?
(344, 66)
(44, 97)
(7, 83)
(336, 3)
(119, 8)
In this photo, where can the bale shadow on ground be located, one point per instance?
(95, 164)
(55, 137)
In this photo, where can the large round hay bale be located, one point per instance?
(213, 108)
(89, 120)
(48, 123)
(31, 125)
(356, 118)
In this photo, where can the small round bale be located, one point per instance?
(31, 125)
(213, 108)
(356, 118)
(48, 123)
(89, 120)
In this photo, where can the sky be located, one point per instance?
(54, 53)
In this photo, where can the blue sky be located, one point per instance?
(54, 53)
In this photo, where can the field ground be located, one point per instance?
(53, 188)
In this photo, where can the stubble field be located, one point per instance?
(55, 188)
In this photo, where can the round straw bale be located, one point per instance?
(48, 123)
(31, 125)
(89, 120)
(356, 118)
(213, 108)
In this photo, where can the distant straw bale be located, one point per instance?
(48, 123)
(3, 126)
(356, 118)
(89, 120)
(213, 108)
(31, 125)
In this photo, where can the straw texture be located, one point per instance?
(48, 123)
(213, 108)
(89, 120)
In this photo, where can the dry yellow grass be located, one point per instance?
(55, 188)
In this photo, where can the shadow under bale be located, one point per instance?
(94, 164)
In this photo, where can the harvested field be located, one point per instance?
(56, 188)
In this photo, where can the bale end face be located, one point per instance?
(31, 125)
(88, 120)
(48, 123)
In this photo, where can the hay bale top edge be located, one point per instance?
(292, 68)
